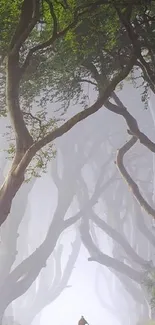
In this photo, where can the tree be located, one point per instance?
(17, 62)
(25, 58)
(94, 71)
(98, 65)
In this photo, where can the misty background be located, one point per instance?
(82, 181)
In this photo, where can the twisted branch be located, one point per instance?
(132, 185)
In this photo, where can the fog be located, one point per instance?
(45, 266)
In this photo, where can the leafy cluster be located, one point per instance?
(9, 13)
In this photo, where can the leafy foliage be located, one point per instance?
(93, 51)
(9, 13)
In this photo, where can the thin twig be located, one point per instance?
(34, 118)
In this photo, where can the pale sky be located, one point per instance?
(81, 298)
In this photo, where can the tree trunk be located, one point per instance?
(23, 139)
(7, 193)
(22, 136)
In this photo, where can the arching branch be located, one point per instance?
(119, 238)
(120, 109)
(132, 185)
(98, 256)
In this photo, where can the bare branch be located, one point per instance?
(119, 238)
(58, 272)
(34, 118)
(61, 284)
(131, 122)
(132, 185)
(69, 222)
(98, 256)
(88, 81)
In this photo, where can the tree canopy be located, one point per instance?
(49, 50)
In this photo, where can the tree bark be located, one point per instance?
(22, 136)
